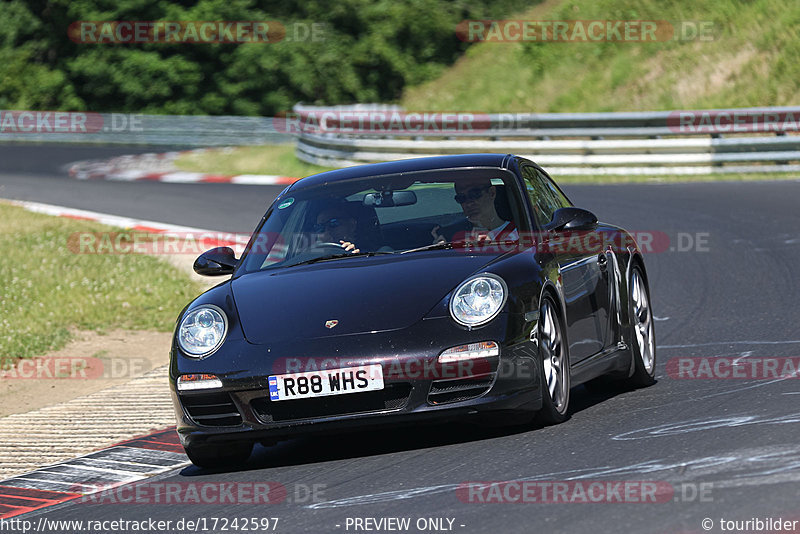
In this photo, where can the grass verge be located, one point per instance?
(49, 289)
(267, 159)
(749, 58)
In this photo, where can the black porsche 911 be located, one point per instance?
(408, 292)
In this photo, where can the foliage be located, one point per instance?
(366, 51)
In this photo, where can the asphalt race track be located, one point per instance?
(728, 447)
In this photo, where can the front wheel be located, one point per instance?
(554, 368)
(219, 456)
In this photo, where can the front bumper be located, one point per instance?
(414, 393)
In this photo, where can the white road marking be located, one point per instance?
(766, 465)
(235, 241)
(671, 429)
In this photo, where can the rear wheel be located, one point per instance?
(643, 337)
(554, 369)
(641, 341)
(219, 455)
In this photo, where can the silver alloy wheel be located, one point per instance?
(553, 356)
(642, 321)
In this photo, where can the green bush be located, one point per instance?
(371, 50)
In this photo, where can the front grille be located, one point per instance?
(459, 389)
(392, 397)
(212, 409)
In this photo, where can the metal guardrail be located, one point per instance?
(663, 142)
(649, 143)
(138, 129)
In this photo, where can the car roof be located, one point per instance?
(406, 165)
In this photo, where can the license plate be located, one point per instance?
(325, 382)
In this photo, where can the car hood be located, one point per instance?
(362, 294)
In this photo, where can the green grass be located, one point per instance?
(269, 159)
(49, 290)
(753, 60)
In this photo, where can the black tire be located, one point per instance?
(219, 455)
(639, 316)
(555, 400)
(643, 375)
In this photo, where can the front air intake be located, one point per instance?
(211, 409)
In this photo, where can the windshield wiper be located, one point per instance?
(477, 245)
(436, 246)
(337, 257)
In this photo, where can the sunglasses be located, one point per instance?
(472, 194)
(330, 223)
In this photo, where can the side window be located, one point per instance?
(559, 198)
(544, 201)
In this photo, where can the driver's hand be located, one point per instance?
(437, 237)
(349, 247)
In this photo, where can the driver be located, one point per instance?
(336, 224)
(476, 197)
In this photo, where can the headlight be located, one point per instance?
(202, 330)
(478, 300)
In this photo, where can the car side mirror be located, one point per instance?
(572, 219)
(216, 262)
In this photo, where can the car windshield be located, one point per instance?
(390, 214)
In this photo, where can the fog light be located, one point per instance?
(194, 382)
(484, 349)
